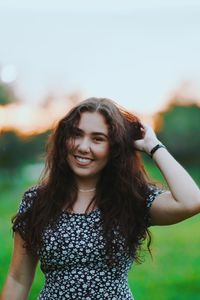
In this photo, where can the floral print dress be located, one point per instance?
(73, 259)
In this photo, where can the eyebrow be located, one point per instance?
(93, 133)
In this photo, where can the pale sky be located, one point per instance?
(135, 52)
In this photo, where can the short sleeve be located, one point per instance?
(26, 204)
(152, 194)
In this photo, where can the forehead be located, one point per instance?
(92, 122)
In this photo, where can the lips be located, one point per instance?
(84, 161)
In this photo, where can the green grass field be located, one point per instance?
(172, 274)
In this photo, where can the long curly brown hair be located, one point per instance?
(122, 189)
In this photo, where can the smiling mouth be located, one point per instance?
(83, 160)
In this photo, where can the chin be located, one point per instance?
(85, 174)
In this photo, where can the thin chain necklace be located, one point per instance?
(86, 191)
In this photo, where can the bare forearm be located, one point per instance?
(180, 183)
(14, 290)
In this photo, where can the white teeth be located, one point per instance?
(83, 160)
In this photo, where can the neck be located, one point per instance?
(87, 190)
(86, 185)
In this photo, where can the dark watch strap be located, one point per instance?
(156, 148)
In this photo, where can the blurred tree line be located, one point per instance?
(17, 151)
(177, 127)
(7, 94)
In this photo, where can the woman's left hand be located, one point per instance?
(149, 140)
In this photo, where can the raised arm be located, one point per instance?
(183, 198)
(21, 273)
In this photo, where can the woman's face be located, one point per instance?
(89, 147)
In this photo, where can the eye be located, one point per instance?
(98, 139)
(77, 134)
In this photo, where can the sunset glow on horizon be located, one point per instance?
(27, 119)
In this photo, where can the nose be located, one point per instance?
(84, 145)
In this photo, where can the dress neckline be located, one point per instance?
(81, 214)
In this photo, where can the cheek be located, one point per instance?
(103, 152)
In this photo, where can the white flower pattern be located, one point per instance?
(73, 258)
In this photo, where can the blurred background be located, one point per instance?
(142, 54)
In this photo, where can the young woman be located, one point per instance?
(89, 215)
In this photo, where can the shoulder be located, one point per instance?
(32, 191)
(28, 198)
(153, 192)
